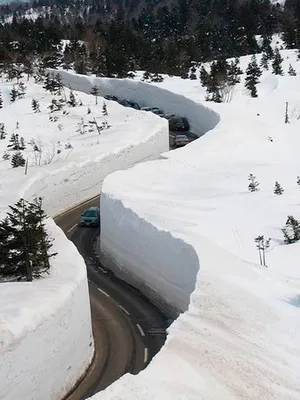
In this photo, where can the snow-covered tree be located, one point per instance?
(291, 71)
(1, 101)
(291, 231)
(253, 72)
(35, 106)
(95, 92)
(17, 160)
(104, 110)
(72, 99)
(276, 64)
(264, 62)
(278, 189)
(13, 94)
(2, 131)
(253, 184)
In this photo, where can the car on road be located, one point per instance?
(181, 140)
(90, 217)
(178, 124)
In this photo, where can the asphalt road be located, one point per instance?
(128, 330)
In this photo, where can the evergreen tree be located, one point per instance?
(17, 160)
(266, 47)
(252, 74)
(1, 101)
(72, 100)
(95, 92)
(146, 76)
(264, 62)
(193, 76)
(276, 64)
(253, 185)
(2, 131)
(13, 94)
(104, 110)
(278, 189)
(48, 83)
(6, 156)
(14, 143)
(298, 180)
(22, 144)
(204, 76)
(25, 250)
(35, 106)
(291, 231)
(57, 84)
(21, 90)
(291, 71)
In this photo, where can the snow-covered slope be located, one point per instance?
(45, 327)
(239, 337)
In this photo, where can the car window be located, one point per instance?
(90, 213)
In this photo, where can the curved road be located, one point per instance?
(128, 330)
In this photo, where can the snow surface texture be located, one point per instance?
(45, 327)
(239, 338)
(46, 338)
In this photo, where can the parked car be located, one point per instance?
(90, 217)
(146, 108)
(169, 116)
(109, 97)
(157, 111)
(134, 105)
(181, 140)
(124, 103)
(179, 124)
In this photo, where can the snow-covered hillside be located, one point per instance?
(47, 323)
(239, 337)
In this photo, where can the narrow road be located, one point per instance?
(128, 330)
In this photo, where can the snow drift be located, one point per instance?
(239, 338)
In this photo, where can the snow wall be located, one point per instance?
(201, 118)
(144, 256)
(46, 340)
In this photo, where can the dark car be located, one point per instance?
(90, 217)
(179, 124)
(134, 105)
(113, 98)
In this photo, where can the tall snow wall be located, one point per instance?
(201, 118)
(163, 267)
(46, 341)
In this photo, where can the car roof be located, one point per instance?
(93, 208)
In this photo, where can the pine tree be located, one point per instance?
(48, 83)
(291, 231)
(264, 62)
(291, 71)
(25, 244)
(104, 110)
(17, 160)
(253, 185)
(1, 101)
(22, 144)
(35, 106)
(193, 76)
(2, 131)
(14, 143)
(252, 74)
(72, 100)
(298, 180)
(6, 156)
(278, 189)
(13, 94)
(146, 76)
(57, 84)
(95, 92)
(276, 64)
(21, 90)
(266, 47)
(204, 76)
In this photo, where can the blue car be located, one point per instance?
(90, 217)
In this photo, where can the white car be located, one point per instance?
(181, 140)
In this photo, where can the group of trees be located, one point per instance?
(25, 246)
(113, 38)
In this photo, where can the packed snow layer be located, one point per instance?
(201, 118)
(239, 338)
(46, 339)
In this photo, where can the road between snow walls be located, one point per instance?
(46, 339)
